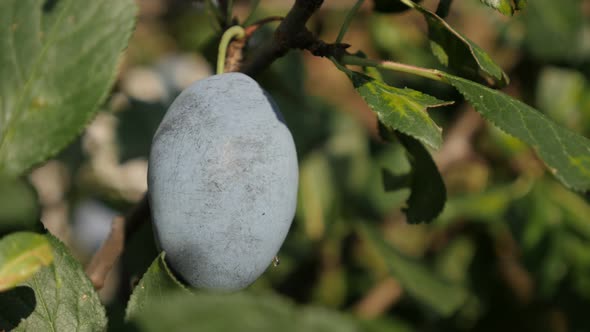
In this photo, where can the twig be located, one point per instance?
(137, 216)
(111, 249)
(379, 299)
(291, 34)
(105, 258)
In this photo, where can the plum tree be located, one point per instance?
(223, 192)
(223, 168)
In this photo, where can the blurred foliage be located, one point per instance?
(510, 251)
(18, 206)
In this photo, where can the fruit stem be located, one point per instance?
(234, 32)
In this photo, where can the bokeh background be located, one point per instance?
(512, 243)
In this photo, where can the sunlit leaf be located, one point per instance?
(399, 109)
(22, 255)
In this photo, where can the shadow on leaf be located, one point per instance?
(15, 305)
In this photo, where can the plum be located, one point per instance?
(222, 182)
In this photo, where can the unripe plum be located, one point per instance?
(222, 182)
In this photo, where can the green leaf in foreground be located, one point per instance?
(399, 109)
(428, 192)
(57, 64)
(458, 52)
(64, 300)
(566, 154)
(243, 312)
(420, 282)
(22, 255)
(153, 286)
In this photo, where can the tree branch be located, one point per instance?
(380, 298)
(111, 249)
(291, 33)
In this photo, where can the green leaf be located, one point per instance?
(566, 154)
(153, 286)
(19, 210)
(420, 282)
(428, 193)
(399, 109)
(64, 300)
(57, 64)
(22, 255)
(236, 312)
(503, 6)
(456, 51)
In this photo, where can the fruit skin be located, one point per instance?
(222, 182)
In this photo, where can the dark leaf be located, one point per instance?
(456, 51)
(428, 192)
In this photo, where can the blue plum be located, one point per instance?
(222, 182)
